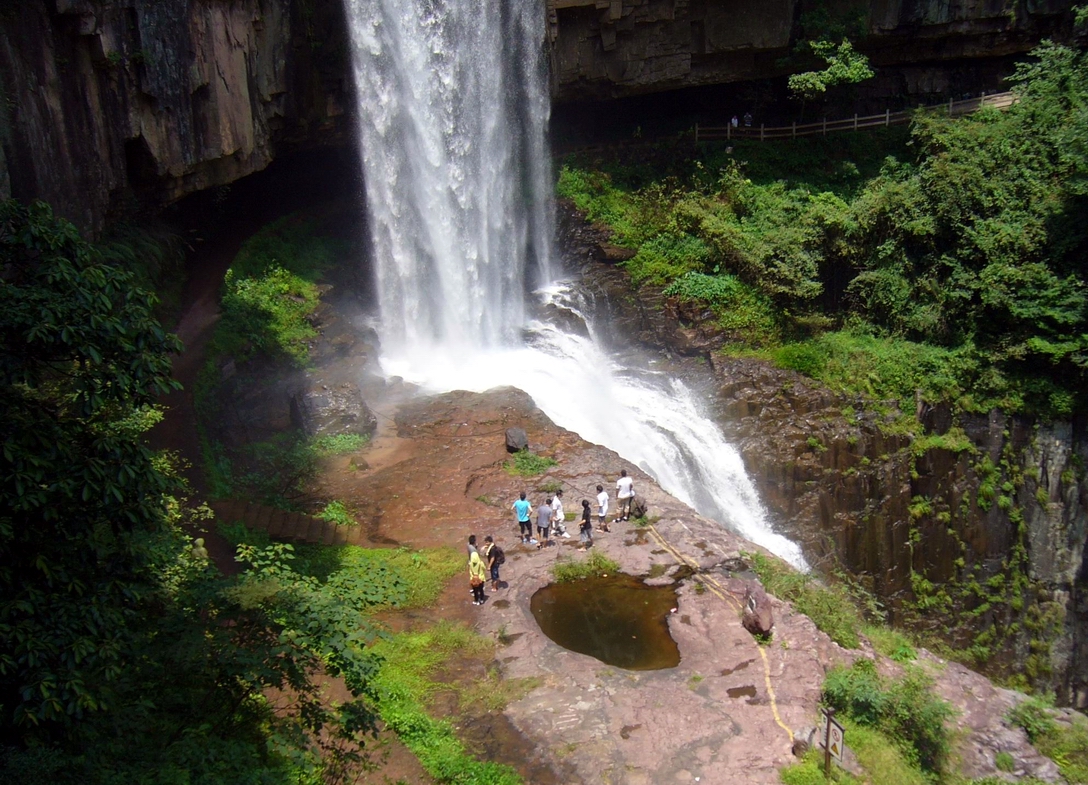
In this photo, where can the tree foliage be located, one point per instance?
(970, 240)
(81, 364)
(124, 657)
(845, 65)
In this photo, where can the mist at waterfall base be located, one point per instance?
(453, 104)
(652, 419)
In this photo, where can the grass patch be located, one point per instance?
(404, 687)
(494, 693)
(595, 565)
(340, 443)
(831, 608)
(419, 575)
(413, 578)
(810, 771)
(527, 464)
(270, 291)
(880, 758)
(891, 643)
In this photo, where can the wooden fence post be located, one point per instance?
(855, 121)
(794, 129)
(887, 117)
(825, 126)
(949, 107)
(728, 131)
(696, 133)
(761, 132)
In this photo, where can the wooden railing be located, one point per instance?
(856, 123)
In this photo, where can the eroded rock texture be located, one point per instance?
(613, 48)
(107, 103)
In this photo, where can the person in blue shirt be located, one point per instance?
(523, 512)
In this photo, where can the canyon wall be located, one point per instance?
(109, 107)
(617, 48)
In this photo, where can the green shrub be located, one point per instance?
(738, 307)
(270, 291)
(805, 358)
(527, 464)
(665, 258)
(1068, 747)
(905, 710)
(1034, 716)
(336, 512)
(595, 565)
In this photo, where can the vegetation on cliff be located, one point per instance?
(960, 245)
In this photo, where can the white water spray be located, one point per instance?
(453, 108)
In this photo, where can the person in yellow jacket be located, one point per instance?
(477, 572)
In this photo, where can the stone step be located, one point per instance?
(280, 524)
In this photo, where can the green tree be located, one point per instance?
(82, 361)
(845, 65)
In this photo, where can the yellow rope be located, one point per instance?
(720, 592)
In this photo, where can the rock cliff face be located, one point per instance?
(615, 48)
(111, 102)
(971, 529)
(110, 105)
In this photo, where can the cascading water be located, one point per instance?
(453, 107)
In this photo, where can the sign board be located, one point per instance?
(832, 737)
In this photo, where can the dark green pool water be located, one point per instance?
(618, 619)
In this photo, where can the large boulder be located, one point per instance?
(758, 616)
(327, 410)
(516, 440)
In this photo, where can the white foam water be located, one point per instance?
(453, 107)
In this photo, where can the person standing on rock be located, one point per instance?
(602, 509)
(625, 493)
(476, 578)
(472, 545)
(495, 557)
(558, 516)
(523, 512)
(543, 524)
(585, 531)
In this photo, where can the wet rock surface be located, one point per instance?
(437, 476)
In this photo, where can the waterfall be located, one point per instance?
(453, 110)
(453, 107)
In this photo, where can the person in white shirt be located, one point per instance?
(558, 526)
(625, 492)
(602, 509)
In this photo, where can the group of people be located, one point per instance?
(550, 516)
(550, 519)
(481, 565)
